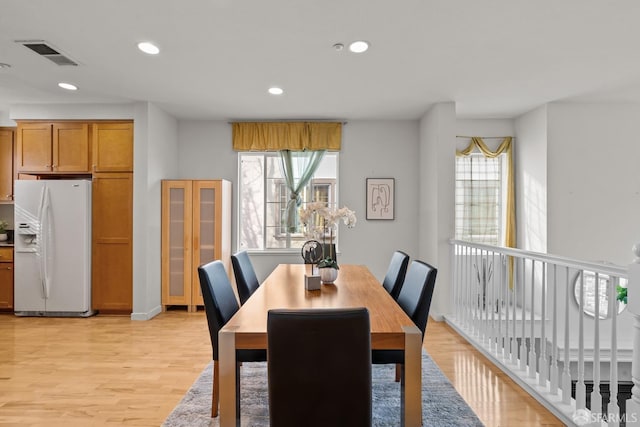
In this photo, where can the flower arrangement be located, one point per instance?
(318, 218)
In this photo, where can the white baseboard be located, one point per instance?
(148, 315)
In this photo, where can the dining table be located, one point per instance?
(356, 286)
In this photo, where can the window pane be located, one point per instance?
(478, 198)
(251, 194)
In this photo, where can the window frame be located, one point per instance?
(265, 211)
(502, 208)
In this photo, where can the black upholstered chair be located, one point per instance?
(245, 275)
(415, 299)
(395, 273)
(319, 367)
(220, 305)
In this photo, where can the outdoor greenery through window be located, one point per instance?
(479, 199)
(263, 198)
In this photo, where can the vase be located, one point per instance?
(328, 274)
(3, 237)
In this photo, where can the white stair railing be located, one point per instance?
(552, 324)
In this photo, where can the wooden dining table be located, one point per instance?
(355, 286)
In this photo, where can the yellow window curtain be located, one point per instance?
(294, 136)
(505, 147)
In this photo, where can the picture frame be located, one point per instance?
(380, 198)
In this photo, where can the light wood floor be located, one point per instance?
(111, 371)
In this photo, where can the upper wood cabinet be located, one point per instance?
(113, 147)
(6, 164)
(53, 147)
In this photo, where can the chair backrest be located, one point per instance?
(417, 290)
(394, 278)
(220, 302)
(319, 367)
(245, 275)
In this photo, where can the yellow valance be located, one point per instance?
(295, 136)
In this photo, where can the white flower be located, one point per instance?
(318, 217)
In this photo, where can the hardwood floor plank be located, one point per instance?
(112, 371)
(494, 397)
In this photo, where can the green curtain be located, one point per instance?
(298, 168)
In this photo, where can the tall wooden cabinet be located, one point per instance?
(196, 229)
(112, 243)
(6, 164)
(112, 220)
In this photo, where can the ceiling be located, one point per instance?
(493, 58)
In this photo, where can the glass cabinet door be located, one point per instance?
(205, 248)
(176, 241)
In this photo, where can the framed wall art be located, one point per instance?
(380, 198)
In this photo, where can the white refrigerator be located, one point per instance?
(52, 248)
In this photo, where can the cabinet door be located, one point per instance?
(112, 147)
(71, 147)
(34, 147)
(177, 271)
(6, 164)
(6, 285)
(206, 230)
(112, 224)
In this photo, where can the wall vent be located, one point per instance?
(43, 49)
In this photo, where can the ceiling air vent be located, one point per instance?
(43, 49)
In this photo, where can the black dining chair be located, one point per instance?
(415, 299)
(245, 275)
(220, 305)
(395, 273)
(319, 367)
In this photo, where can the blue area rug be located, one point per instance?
(441, 403)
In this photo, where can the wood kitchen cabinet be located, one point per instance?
(112, 147)
(196, 229)
(112, 243)
(6, 278)
(6, 164)
(53, 147)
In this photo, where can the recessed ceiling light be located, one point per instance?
(149, 48)
(68, 86)
(276, 91)
(3, 65)
(358, 46)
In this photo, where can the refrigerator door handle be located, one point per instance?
(45, 232)
(39, 241)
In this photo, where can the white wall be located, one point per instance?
(155, 154)
(385, 149)
(436, 186)
(483, 128)
(530, 158)
(594, 201)
(5, 120)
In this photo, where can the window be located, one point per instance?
(263, 197)
(480, 198)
